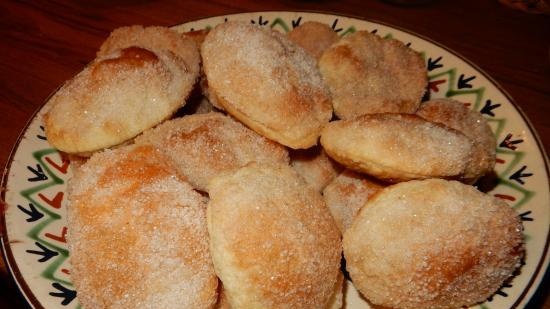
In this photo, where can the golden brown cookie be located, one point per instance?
(209, 100)
(273, 241)
(116, 97)
(337, 299)
(267, 82)
(346, 194)
(197, 36)
(223, 302)
(156, 39)
(397, 147)
(205, 145)
(314, 37)
(367, 74)
(432, 244)
(137, 234)
(314, 166)
(456, 115)
(185, 46)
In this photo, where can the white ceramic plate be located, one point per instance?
(34, 228)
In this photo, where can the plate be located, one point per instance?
(34, 228)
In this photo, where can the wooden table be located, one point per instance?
(43, 43)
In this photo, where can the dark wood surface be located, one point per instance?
(44, 43)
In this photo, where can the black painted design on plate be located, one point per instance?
(38, 173)
(40, 136)
(518, 175)
(261, 21)
(334, 27)
(500, 292)
(465, 82)
(296, 22)
(509, 143)
(434, 64)
(45, 252)
(524, 216)
(488, 108)
(33, 213)
(67, 294)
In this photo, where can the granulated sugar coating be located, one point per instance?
(456, 115)
(336, 300)
(115, 98)
(223, 302)
(432, 244)
(137, 234)
(269, 83)
(272, 239)
(314, 166)
(140, 78)
(397, 147)
(346, 194)
(155, 38)
(141, 234)
(204, 145)
(314, 37)
(367, 74)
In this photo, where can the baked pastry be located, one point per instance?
(134, 84)
(137, 234)
(267, 82)
(314, 37)
(223, 302)
(456, 115)
(285, 252)
(348, 193)
(156, 39)
(367, 74)
(336, 301)
(197, 35)
(397, 147)
(208, 101)
(205, 145)
(314, 166)
(432, 244)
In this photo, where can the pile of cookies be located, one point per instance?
(236, 167)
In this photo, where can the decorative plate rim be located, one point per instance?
(24, 290)
(530, 289)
